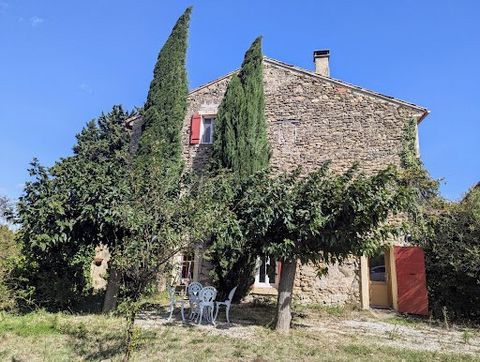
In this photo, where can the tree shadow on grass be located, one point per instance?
(254, 313)
(102, 344)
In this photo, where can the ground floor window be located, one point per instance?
(186, 267)
(267, 272)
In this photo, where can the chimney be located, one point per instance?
(320, 58)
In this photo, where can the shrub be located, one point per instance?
(8, 254)
(453, 260)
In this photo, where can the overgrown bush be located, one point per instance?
(68, 209)
(8, 255)
(453, 260)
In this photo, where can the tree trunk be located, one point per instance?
(129, 340)
(285, 289)
(110, 301)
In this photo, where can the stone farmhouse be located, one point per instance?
(312, 118)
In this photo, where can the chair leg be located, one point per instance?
(211, 316)
(216, 312)
(200, 316)
(182, 307)
(227, 312)
(171, 313)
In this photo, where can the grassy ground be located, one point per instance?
(43, 336)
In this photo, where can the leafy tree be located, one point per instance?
(68, 209)
(163, 219)
(452, 254)
(241, 146)
(324, 217)
(5, 208)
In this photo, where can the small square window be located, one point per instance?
(206, 130)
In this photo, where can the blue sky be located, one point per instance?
(64, 62)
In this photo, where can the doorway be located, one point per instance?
(380, 280)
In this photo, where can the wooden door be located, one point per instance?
(411, 280)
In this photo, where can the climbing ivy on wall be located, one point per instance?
(409, 156)
(417, 179)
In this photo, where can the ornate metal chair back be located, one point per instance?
(208, 294)
(194, 289)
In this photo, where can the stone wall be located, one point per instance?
(341, 285)
(99, 268)
(310, 120)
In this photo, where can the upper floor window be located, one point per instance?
(201, 129)
(206, 130)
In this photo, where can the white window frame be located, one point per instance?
(268, 283)
(211, 117)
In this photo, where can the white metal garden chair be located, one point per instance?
(207, 304)
(193, 291)
(227, 303)
(174, 303)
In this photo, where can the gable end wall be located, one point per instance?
(311, 120)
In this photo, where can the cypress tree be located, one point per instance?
(166, 104)
(241, 146)
(158, 159)
(241, 133)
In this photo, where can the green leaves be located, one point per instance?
(321, 217)
(72, 206)
(240, 146)
(166, 104)
(452, 254)
(240, 143)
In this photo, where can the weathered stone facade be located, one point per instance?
(311, 119)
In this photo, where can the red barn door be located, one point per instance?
(411, 280)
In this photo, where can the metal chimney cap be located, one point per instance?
(324, 53)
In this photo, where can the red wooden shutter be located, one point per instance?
(195, 129)
(411, 280)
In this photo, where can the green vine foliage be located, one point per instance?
(425, 189)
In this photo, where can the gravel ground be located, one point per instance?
(381, 327)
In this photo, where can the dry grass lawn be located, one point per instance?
(319, 334)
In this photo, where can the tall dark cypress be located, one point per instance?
(241, 133)
(166, 104)
(241, 146)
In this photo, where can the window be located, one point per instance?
(377, 268)
(268, 272)
(185, 267)
(206, 130)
